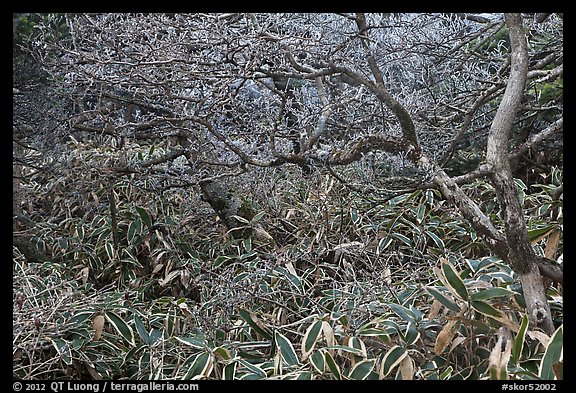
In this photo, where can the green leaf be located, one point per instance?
(229, 373)
(253, 368)
(310, 338)
(346, 348)
(141, 329)
(491, 293)
(286, 349)
(317, 361)
(63, 349)
(294, 280)
(247, 243)
(411, 335)
(79, 232)
(332, 366)
(134, 229)
(485, 308)
(250, 319)
(402, 238)
(241, 219)
(553, 355)
(356, 343)
(109, 250)
(362, 369)
(454, 280)
(420, 213)
(257, 217)
(199, 366)
(403, 312)
(392, 359)
(193, 342)
(155, 335)
(439, 243)
(221, 259)
(538, 233)
(145, 216)
(518, 344)
(121, 327)
(384, 243)
(443, 299)
(373, 332)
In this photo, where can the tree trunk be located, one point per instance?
(521, 255)
(228, 204)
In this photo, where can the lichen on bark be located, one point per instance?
(228, 204)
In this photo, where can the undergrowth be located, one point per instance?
(329, 287)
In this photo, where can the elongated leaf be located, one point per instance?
(230, 371)
(356, 343)
(200, 366)
(79, 233)
(491, 293)
(98, 325)
(384, 243)
(134, 229)
(328, 333)
(63, 349)
(373, 332)
(444, 299)
(146, 219)
(192, 342)
(518, 345)
(294, 280)
(439, 243)
(345, 348)
(155, 335)
(538, 234)
(332, 365)
(109, 250)
(310, 338)
(121, 327)
(406, 368)
(252, 319)
(453, 280)
(221, 259)
(222, 353)
(317, 361)
(257, 217)
(141, 329)
(403, 312)
(553, 355)
(392, 359)
(362, 369)
(411, 335)
(445, 336)
(485, 308)
(286, 349)
(253, 368)
(420, 213)
(402, 238)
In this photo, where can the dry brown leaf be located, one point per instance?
(552, 244)
(434, 309)
(98, 326)
(328, 335)
(406, 367)
(445, 337)
(498, 360)
(83, 275)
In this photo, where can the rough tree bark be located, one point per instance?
(228, 205)
(520, 254)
